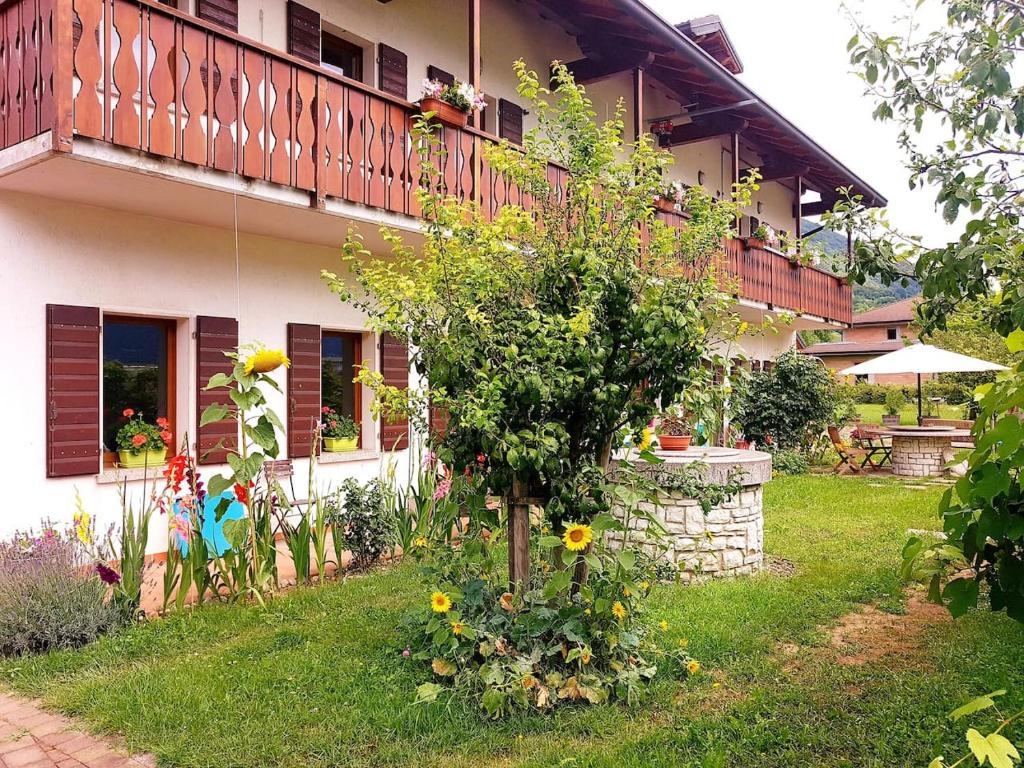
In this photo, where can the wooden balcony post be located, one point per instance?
(638, 103)
(474, 53)
(798, 215)
(319, 200)
(63, 67)
(735, 148)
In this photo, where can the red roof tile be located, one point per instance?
(897, 312)
(852, 348)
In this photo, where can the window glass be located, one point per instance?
(893, 333)
(136, 372)
(339, 359)
(343, 57)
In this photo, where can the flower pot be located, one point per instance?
(743, 445)
(665, 205)
(890, 421)
(150, 458)
(674, 442)
(756, 242)
(340, 444)
(445, 112)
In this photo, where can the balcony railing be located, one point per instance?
(146, 77)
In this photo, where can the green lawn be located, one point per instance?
(317, 679)
(871, 413)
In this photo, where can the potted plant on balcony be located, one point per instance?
(671, 200)
(341, 434)
(674, 431)
(450, 104)
(140, 444)
(762, 237)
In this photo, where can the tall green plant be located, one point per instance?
(545, 332)
(954, 92)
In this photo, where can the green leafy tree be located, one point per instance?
(549, 333)
(790, 405)
(960, 83)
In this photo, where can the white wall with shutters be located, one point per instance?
(129, 264)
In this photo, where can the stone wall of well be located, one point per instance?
(920, 456)
(729, 539)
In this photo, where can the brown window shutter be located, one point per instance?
(214, 337)
(394, 367)
(223, 12)
(303, 32)
(436, 73)
(394, 71)
(303, 387)
(510, 121)
(439, 417)
(72, 390)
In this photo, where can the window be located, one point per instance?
(340, 55)
(892, 334)
(138, 371)
(340, 356)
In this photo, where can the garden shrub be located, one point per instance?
(369, 527)
(51, 596)
(790, 405)
(789, 462)
(895, 400)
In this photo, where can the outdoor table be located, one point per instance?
(879, 452)
(921, 451)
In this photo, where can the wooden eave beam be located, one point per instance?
(589, 70)
(816, 209)
(777, 171)
(705, 129)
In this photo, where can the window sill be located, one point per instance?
(117, 475)
(341, 458)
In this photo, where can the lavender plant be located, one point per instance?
(51, 595)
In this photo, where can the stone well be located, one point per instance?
(729, 540)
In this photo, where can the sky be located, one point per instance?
(794, 56)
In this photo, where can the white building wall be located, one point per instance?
(60, 253)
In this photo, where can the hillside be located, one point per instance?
(872, 294)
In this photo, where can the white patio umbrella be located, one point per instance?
(919, 359)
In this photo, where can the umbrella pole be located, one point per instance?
(920, 418)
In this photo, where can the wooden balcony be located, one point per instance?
(141, 76)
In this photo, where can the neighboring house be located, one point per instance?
(175, 173)
(872, 333)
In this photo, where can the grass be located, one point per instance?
(871, 413)
(317, 679)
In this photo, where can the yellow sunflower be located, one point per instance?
(577, 536)
(420, 541)
(618, 610)
(440, 602)
(457, 627)
(265, 361)
(693, 667)
(646, 438)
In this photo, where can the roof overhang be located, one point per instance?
(622, 29)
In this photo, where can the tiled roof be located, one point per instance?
(897, 312)
(852, 348)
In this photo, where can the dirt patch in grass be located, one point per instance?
(871, 635)
(779, 566)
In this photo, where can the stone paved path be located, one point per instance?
(33, 738)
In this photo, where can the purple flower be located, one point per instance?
(431, 460)
(107, 574)
(406, 653)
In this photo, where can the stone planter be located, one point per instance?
(729, 540)
(891, 421)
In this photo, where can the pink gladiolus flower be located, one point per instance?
(442, 489)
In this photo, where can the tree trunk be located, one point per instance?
(519, 535)
(581, 570)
